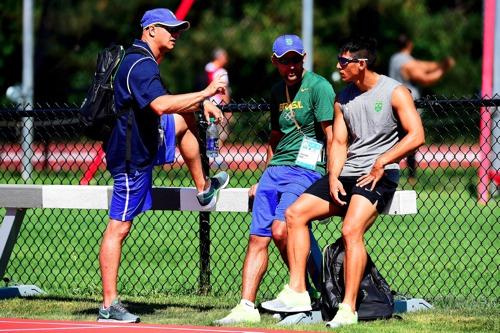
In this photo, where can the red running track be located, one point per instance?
(78, 156)
(13, 325)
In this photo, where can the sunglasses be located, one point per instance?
(344, 61)
(291, 60)
(171, 30)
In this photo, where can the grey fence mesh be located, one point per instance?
(448, 251)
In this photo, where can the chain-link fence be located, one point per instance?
(448, 251)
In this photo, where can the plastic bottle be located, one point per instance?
(212, 139)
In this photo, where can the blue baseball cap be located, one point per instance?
(287, 43)
(164, 17)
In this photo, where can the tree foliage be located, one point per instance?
(68, 34)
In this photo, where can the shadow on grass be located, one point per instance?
(140, 308)
(143, 308)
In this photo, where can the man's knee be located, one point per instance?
(295, 216)
(180, 125)
(352, 233)
(258, 243)
(188, 120)
(118, 229)
(279, 232)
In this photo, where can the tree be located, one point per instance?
(69, 33)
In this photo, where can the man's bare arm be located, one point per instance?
(189, 102)
(403, 106)
(337, 155)
(411, 123)
(426, 73)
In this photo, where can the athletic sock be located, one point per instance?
(247, 303)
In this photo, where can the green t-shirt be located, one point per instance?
(312, 104)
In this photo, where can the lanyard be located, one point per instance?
(310, 149)
(292, 113)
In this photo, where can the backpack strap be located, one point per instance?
(128, 147)
(136, 48)
(147, 55)
(141, 50)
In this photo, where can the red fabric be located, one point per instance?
(93, 167)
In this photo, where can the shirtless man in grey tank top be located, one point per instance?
(363, 174)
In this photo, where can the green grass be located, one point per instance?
(447, 254)
(203, 310)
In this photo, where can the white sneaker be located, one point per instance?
(289, 300)
(343, 317)
(241, 313)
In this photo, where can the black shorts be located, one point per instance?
(381, 194)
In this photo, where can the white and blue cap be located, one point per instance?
(287, 43)
(164, 17)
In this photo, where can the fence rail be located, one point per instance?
(448, 251)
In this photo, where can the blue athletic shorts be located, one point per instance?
(166, 149)
(131, 194)
(279, 187)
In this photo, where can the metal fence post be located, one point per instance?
(204, 218)
(27, 89)
(495, 168)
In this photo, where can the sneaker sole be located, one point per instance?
(338, 325)
(211, 204)
(225, 183)
(233, 322)
(306, 318)
(102, 320)
(287, 309)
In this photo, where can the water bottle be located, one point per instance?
(212, 139)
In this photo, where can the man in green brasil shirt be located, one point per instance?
(301, 128)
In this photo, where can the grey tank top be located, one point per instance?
(397, 61)
(371, 124)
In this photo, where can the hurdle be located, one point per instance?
(16, 199)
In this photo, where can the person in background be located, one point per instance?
(363, 174)
(301, 125)
(140, 92)
(213, 69)
(415, 73)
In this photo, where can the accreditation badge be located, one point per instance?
(309, 153)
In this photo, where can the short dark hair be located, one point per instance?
(362, 47)
(403, 41)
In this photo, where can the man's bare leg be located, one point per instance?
(359, 217)
(255, 266)
(298, 215)
(109, 257)
(185, 132)
(280, 236)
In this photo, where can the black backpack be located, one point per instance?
(98, 112)
(375, 299)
